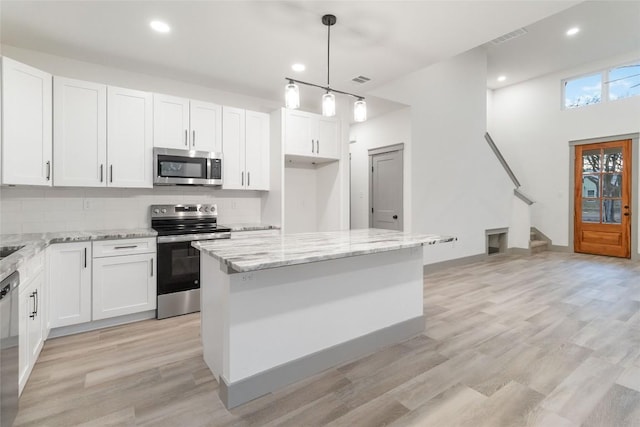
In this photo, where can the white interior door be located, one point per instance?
(386, 190)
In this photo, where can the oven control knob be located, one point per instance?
(156, 211)
(206, 209)
(164, 210)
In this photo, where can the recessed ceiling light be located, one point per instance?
(298, 67)
(502, 78)
(573, 31)
(160, 26)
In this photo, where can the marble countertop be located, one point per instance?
(249, 226)
(264, 252)
(35, 243)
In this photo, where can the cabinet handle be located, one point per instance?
(48, 170)
(37, 300)
(186, 138)
(193, 141)
(312, 146)
(33, 312)
(242, 178)
(126, 247)
(85, 257)
(101, 173)
(110, 173)
(151, 267)
(317, 146)
(248, 179)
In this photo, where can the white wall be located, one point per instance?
(29, 209)
(457, 185)
(389, 129)
(533, 132)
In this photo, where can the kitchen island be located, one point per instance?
(277, 309)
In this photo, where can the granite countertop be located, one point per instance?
(264, 252)
(35, 243)
(249, 226)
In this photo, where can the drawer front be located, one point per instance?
(106, 248)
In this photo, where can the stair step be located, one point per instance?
(537, 243)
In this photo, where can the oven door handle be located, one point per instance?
(192, 237)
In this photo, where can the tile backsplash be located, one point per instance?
(35, 210)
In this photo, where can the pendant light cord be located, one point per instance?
(328, 51)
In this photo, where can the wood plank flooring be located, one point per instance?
(547, 340)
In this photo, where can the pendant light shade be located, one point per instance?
(360, 111)
(292, 96)
(328, 105)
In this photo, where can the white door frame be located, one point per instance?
(382, 150)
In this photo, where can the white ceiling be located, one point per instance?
(248, 46)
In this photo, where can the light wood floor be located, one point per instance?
(548, 340)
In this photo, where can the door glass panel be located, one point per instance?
(591, 161)
(591, 186)
(611, 185)
(590, 210)
(611, 211)
(612, 160)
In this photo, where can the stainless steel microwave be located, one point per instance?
(185, 167)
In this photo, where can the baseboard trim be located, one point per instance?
(100, 324)
(257, 385)
(519, 251)
(559, 248)
(436, 266)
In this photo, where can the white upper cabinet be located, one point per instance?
(206, 126)
(311, 135)
(79, 133)
(129, 138)
(245, 147)
(188, 125)
(27, 122)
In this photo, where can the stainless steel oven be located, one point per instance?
(9, 345)
(178, 278)
(185, 167)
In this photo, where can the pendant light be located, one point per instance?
(292, 92)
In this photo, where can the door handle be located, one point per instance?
(395, 217)
(626, 214)
(186, 137)
(110, 173)
(312, 148)
(36, 301)
(151, 267)
(33, 312)
(48, 170)
(85, 257)
(626, 207)
(193, 141)
(101, 172)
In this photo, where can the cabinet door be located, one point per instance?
(298, 133)
(206, 126)
(257, 150)
(129, 142)
(36, 323)
(170, 122)
(233, 148)
(31, 326)
(327, 139)
(69, 284)
(27, 122)
(79, 133)
(123, 285)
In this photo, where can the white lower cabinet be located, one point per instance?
(125, 283)
(32, 324)
(70, 283)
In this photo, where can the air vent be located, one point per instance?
(510, 36)
(361, 79)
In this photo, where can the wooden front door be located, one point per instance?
(602, 197)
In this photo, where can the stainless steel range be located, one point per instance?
(178, 262)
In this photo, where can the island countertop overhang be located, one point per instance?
(259, 253)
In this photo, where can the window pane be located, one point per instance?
(611, 185)
(624, 82)
(613, 159)
(591, 186)
(591, 161)
(590, 210)
(583, 91)
(611, 211)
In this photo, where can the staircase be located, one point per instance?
(538, 242)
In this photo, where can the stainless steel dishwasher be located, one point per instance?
(9, 354)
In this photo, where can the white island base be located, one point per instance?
(267, 328)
